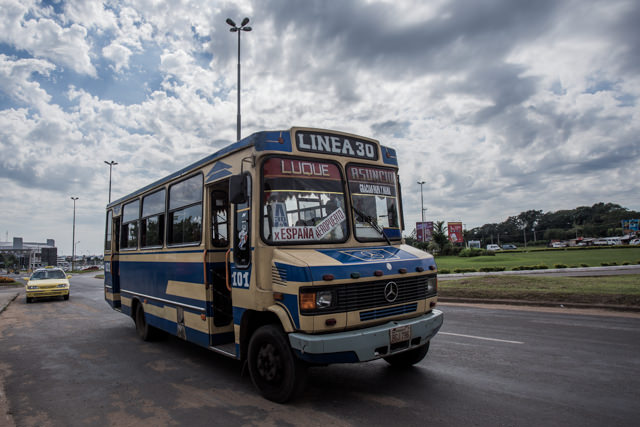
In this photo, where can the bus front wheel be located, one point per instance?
(275, 371)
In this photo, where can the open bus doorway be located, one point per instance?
(216, 262)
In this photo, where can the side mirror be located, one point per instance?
(238, 189)
(26, 279)
(69, 276)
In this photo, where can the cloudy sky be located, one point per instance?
(500, 105)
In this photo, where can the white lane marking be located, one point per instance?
(480, 338)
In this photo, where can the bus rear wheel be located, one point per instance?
(275, 371)
(408, 358)
(145, 331)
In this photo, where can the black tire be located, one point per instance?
(66, 297)
(145, 331)
(408, 358)
(29, 300)
(275, 371)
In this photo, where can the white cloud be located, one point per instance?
(499, 107)
(117, 54)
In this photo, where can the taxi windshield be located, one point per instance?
(48, 274)
(303, 202)
(374, 198)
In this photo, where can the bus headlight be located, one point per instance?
(324, 299)
(432, 286)
(312, 300)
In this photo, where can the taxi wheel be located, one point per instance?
(408, 358)
(29, 300)
(66, 297)
(275, 371)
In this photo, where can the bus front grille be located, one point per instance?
(379, 313)
(364, 296)
(372, 295)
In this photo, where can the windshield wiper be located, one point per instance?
(372, 222)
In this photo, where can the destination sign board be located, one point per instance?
(339, 145)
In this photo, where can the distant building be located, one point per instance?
(31, 255)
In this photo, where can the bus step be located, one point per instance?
(228, 349)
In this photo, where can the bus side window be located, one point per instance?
(152, 223)
(219, 218)
(130, 225)
(242, 221)
(184, 222)
(107, 234)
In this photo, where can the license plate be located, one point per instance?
(400, 334)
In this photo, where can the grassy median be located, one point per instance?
(568, 258)
(623, 290)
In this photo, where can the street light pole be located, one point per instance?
(111, 164)
(235, 29)
(421, 200)
(73, 240)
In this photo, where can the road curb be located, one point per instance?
(539, 303)
(6, 300)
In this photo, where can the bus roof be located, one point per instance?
(262, 141)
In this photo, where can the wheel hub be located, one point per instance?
(269, 363)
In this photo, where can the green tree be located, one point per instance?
(439, 234)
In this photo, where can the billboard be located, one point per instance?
(629, 225)
(455, 232)
(424, 231)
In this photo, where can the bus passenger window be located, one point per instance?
(130, 216)
(152, 224)
(107, 234)
(185, 212)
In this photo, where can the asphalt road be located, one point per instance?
(77, 362)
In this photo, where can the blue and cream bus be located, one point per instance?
(283, 249)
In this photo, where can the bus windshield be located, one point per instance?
(303, 202)
(374, 197)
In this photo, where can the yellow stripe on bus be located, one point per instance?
(187, 290)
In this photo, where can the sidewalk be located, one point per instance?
(7, 296)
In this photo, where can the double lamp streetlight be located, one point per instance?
(234, 29)
(238, 29)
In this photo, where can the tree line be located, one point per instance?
(599, 220)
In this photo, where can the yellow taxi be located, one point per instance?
(47, 282)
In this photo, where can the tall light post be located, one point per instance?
(235, 29)
(73, 240)
(111, 165)
(421, 199)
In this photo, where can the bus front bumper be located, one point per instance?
(366, 344)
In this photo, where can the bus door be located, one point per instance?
(115, 263)
(240, 266)
(217, 254)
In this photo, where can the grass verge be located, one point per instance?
(577, 258)
(621, 290)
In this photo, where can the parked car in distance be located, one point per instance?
(508, 246)
(493, 247)
(634, 242)
(558, 245)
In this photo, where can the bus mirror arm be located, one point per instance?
(237, 189)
